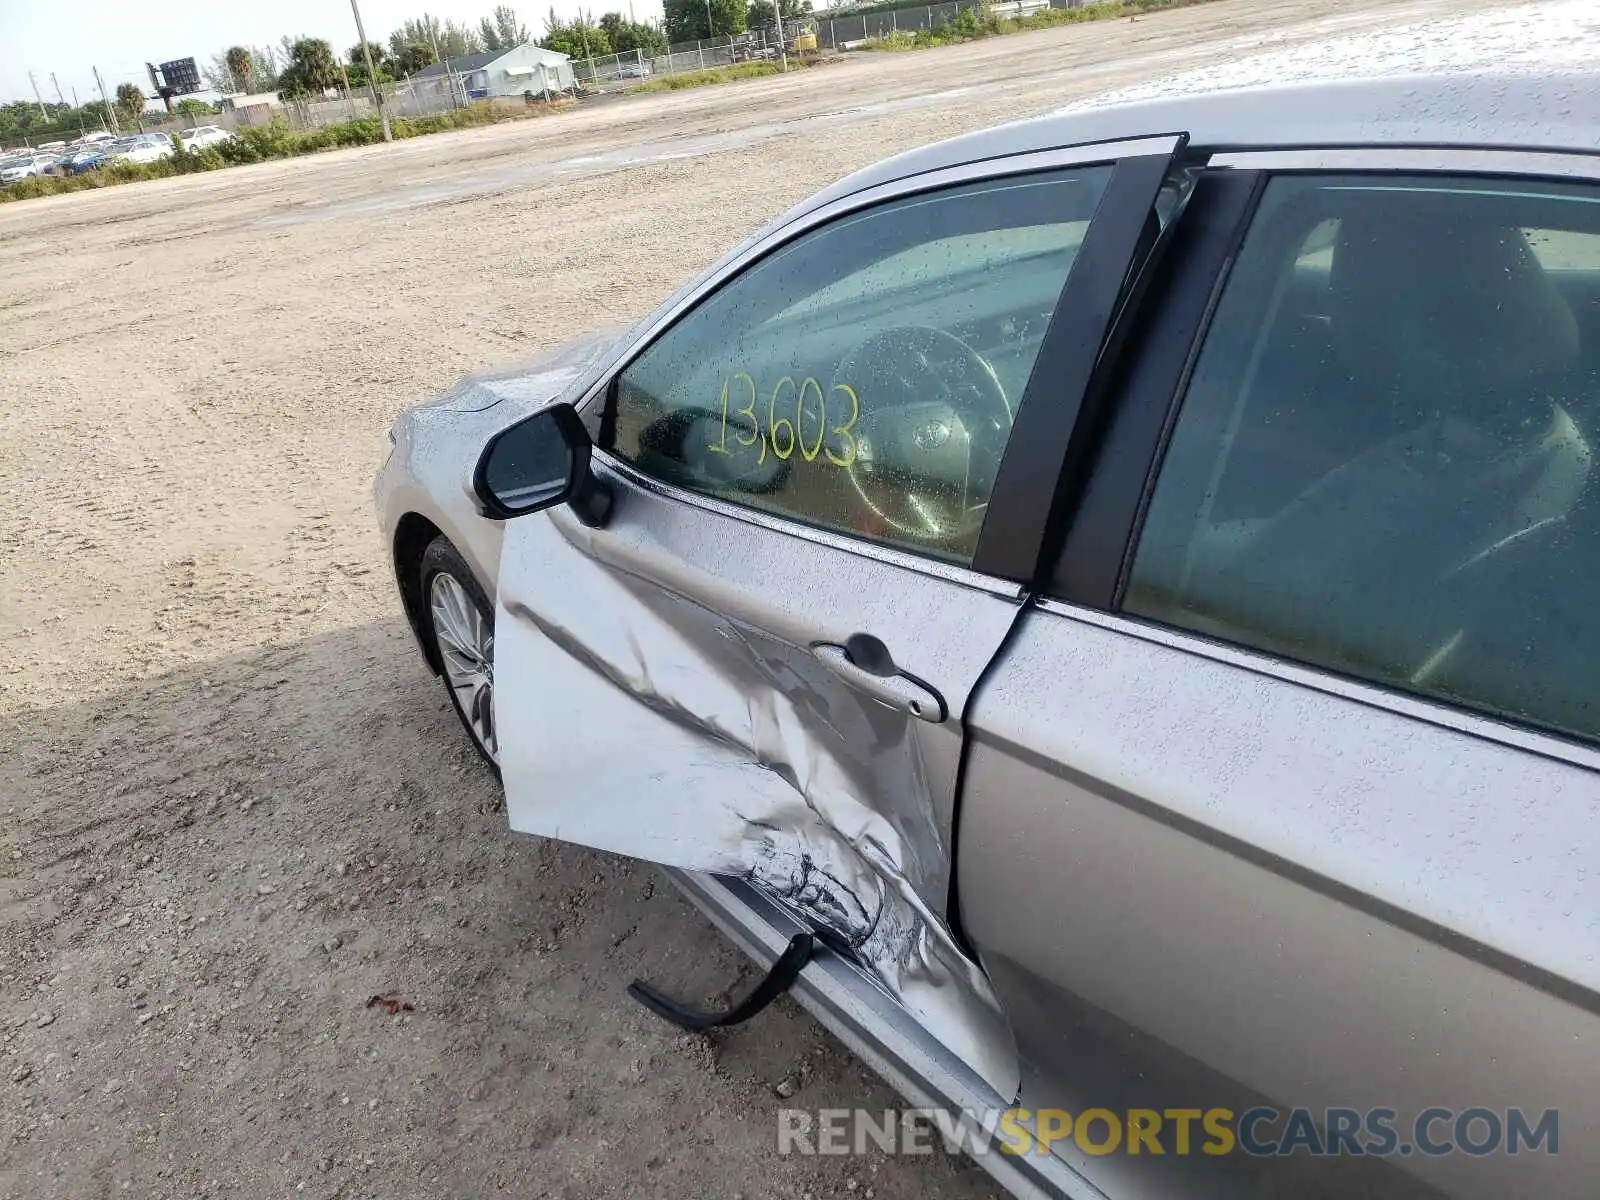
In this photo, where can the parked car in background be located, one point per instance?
(202, 136)
(639, 70)
(87, 158)
(26, 167)
(145, 148)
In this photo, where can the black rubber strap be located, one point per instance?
(778, 980)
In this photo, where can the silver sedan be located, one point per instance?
(1099, 607)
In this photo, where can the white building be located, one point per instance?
(525, 68)
(253, 108)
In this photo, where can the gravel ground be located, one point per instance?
(235, 805)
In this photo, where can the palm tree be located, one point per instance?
(413, 58)
(130, 99)
(312, 68)
(240, 67)
(314, 60)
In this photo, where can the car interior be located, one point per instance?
(864, 377)
(1401, 388)
(1400, 392)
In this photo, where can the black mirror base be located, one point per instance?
(592, 502)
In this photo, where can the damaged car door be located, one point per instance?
(753, 653)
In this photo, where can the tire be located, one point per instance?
(460, 625)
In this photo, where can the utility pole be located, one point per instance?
(372, 73)
(711, 30)
(59, 96)
(583, 32)
(38, 99)
(449, 76)
(349, 100)
(111, 113)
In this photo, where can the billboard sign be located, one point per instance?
(180, 77)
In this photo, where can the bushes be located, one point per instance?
(692, 79)
(189, 162)
(364, 132)
(209, 159)
(259, 143)
(901, 39)
(55, 185)
(968, 25)
(275, 139)
(28, 189)
(481, 112)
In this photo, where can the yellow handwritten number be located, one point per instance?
(848, 443)
(749, 410)
(720, 446)
(775, 422)
(810, 454)
(752, 432)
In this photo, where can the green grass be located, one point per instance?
(51, 185)
(715, 75)
(969, 26)
(262, 143)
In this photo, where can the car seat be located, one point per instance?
(1449, 335)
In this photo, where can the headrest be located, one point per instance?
(1442, 302)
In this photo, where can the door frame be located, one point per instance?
(1009, 548)
(1153, 377)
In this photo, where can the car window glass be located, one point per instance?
(1564, 249)
(1385, 463)
(863, 377)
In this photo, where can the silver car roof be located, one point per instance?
(1547, 111)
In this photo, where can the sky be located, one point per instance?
(69, 37)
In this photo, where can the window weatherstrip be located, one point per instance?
(793, 527)
(1417, 160)
(1435, 712)
(973, 172)
(1061, 399)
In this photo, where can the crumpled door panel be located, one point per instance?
(658, 696)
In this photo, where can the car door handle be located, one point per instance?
(864, 663)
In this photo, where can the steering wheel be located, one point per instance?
(931, 426)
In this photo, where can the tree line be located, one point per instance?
(300, 66)
(305, 66)
(29, 121)
(695, 20)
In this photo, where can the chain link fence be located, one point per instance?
(838, 33)
(619, 72)
(833, 34)
(402, 98)
(616, 72)
(846, 33)
(611, 71)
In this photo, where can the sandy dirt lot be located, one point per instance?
(235, 804)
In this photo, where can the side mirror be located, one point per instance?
(538, 463)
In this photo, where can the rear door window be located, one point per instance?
(1385, 464)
